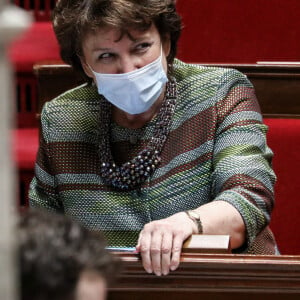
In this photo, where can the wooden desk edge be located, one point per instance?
(223, 258)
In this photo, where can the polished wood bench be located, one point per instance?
(211, 277)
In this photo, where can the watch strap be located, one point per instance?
(195, 217)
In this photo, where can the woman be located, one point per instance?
(152, 150)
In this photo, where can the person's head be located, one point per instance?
(76, 24)
(60, 259)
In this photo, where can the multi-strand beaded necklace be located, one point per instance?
(134, 172)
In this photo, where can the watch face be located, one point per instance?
(194, 215)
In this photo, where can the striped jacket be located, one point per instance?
(216, 150)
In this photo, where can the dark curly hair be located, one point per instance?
(72, 19)
(54, 251)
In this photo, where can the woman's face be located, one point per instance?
(105, 52)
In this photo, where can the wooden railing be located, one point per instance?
(212, 277)
(277, 87)
(41, 9)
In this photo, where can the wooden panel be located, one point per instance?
(277, 87)
(213, 277)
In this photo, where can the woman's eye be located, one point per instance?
(143, 46)
(105, 56)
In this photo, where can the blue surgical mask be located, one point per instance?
(133, 92)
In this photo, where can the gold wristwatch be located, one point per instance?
(195, 217)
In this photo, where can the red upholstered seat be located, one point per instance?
(25, 145)
(284, 139)
(38, 43)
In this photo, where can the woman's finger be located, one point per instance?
(155, 252)
(144, 249)
(176, 251)
(166, 251)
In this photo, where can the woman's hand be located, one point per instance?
(160, 242)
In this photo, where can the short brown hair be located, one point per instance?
(53, 252)
(72, 19)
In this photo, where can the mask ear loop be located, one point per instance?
(93, 81)
(89, 67)
(84, 67)
(169, 65)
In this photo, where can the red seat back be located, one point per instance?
(284, 139)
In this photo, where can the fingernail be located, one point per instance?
(149, 271)
(173, 268)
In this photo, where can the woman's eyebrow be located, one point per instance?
(140, 37)
(96, 49)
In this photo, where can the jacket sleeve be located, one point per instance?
(242, 174)
(43, 190)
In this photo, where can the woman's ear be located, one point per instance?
(86, 68)
(166, 44)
